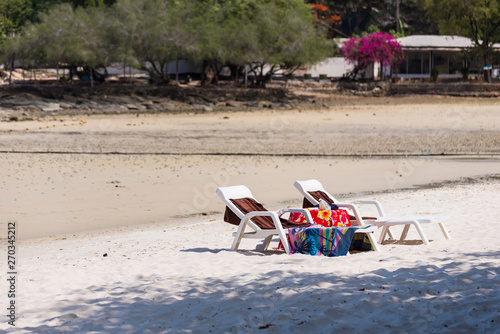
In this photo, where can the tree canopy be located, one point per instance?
(264, 35)
(14, 14)
(476, 19)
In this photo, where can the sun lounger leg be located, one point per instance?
(239, 235)
(405, 232)
(236, 243)
(445, 231)
(385, 230)
(373, 242)
(390, 233)
(421, 232)
(267, 242)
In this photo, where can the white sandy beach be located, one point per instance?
(135, 243)
(179, 278)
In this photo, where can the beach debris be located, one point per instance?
(105, 255)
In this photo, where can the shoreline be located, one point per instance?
(206, 217)
(180, 221)
(67, 196)
(471, 156)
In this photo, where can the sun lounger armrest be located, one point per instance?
(271, 214)
(376, 203)
(354, 209)
(305, 212)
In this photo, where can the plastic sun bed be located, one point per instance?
(268, 227)
(313, 191)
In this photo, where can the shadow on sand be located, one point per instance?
(437, 297)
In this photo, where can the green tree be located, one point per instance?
(287, 38)
(13, 15)
(87, 3)
(224, 35)
(148, 29)
(476, 19)
(264, 36)
(67, 37)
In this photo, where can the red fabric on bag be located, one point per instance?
(327, 218)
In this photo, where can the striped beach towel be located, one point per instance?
(321, 241)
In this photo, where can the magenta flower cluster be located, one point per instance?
(377, 47)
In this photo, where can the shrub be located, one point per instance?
(367, 50)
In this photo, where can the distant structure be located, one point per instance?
(445, 53)
(422, 53)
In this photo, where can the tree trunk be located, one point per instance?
(130, 75)
(203, 74)
(487, 73)
(177, 72)
(397, 16)
(216, 74)
(10, 69)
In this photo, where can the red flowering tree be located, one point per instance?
(322, 15)
(379, 47)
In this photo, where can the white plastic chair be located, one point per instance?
(238, 192)
(382, 220)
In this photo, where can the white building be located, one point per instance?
(422, 53)
(445, 53)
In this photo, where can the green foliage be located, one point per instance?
(352, 18)
(476, 19)
(287, 38)
(263, 35)
(13, 14)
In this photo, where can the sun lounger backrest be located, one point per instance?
(240, 201)
(317, 196)
(313, 191)
(246, 205)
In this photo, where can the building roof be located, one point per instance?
(436, 42)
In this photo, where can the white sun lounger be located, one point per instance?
(382, 221)
(258, 232)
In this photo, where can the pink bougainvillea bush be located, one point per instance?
(377, 47)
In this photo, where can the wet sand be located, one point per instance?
(170, 164)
